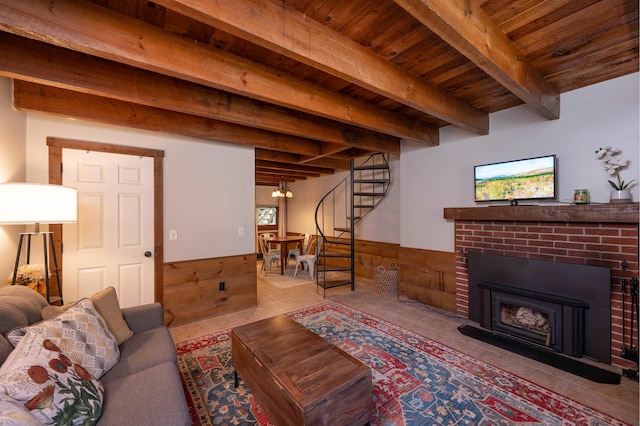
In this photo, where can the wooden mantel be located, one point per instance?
(596, 213)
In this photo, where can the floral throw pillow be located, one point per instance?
(82, 334)
(47, 382)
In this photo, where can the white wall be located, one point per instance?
(210, 192)
(208, 186)
(264, 198)
(591, 117)
(383, 224)
(12, 169)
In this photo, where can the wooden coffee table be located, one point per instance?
(298, 377)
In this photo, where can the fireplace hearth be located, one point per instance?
(561, 307)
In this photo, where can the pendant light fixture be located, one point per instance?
(281, 191)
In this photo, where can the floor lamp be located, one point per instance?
(35, 204)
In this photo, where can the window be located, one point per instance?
(267, 216)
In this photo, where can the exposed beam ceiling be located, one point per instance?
(133, 42)
(331, 52)
(65, 69)
(310, 85)
(468, 29)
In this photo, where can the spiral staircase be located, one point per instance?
(337, 215)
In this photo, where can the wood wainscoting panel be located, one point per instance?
(368, 255)
(428, 276)
(371, 254)
(192, 287)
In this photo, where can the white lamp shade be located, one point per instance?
(29, 203)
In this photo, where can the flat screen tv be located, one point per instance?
(516, 180)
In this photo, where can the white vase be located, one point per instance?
(620, 197)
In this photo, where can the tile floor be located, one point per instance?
(279, 294)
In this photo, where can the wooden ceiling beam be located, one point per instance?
(38, 62)
(334, 163)
(286, 175)
(280, 28)
(278, 165)
(291, 173)
(268, 179)
(469, 30)
(130, 41)
(36, 97)
(327, 162)
(270, 155)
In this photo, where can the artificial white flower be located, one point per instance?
(612, 164)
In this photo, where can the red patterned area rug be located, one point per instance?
(416, 381)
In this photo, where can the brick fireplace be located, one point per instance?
(596, 235)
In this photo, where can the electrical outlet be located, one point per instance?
(240, 231)
(173, 235)
(222, 286)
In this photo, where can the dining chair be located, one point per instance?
(269, 256)
(266, 236)
(301, 249)
(311, 257)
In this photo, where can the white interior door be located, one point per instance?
(112, 242)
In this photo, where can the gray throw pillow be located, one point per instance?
(5, 349)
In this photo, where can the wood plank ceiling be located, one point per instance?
(309, 83)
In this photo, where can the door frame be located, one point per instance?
(56, 145)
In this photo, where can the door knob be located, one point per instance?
(147, 253)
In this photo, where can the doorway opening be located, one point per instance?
(56, 145)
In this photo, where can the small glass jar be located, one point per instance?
(581, 196)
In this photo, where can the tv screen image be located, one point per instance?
(526, 179)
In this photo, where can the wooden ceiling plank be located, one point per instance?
(270, 155)
(334, 163)
(328, 149)
(287, 175)
(116, 37)
(509, 13)
(300, 167)
(284, 30)
(346, 154)
(36, 97)
(294, 173)
(542, 13)
(277, 178)
(468, 29)
(601, 69)
(41, 63)
(570, 32)
(606, 45)
(326, 162)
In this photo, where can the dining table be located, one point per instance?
(284, 242)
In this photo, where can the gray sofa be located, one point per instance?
(144, 386)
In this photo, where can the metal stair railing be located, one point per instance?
(337, 213)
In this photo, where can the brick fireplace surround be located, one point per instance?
(596, 235)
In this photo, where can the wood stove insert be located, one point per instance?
(553, 321)
(571, 302)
